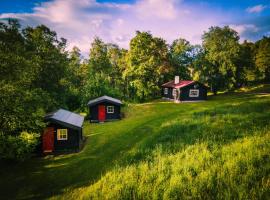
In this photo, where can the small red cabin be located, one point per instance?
(184, 90)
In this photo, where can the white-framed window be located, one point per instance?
(165, 90)
(174, 92)
(193, 93)
(110, 109)
(62, 134)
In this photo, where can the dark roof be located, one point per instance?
(104, 99)
(66, 118)
(181, 84)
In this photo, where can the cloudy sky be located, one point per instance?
(116, 21)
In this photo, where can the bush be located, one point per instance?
(18, 147)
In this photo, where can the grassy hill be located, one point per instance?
(218, 149)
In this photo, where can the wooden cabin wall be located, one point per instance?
(184, 94)
(73, 141)
(170, 93)
(93, 110)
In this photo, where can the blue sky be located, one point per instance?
(117, 20)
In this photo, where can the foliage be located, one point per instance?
(18, 147)
(246, 71)
(33, 73)
(181, 57)
(221, 51)
(34, 80)
(262, 58)
(103, 72)
(147, 61)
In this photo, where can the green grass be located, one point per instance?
(218, 149)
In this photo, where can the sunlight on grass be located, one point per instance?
(161, 150)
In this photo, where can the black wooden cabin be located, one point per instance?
(184, 90)
(104, 108)
(63, 132)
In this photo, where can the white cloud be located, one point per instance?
(242, 28)
(256, 9)
(156, 8)
(80, 21)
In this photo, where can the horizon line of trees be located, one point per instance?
(38, 74)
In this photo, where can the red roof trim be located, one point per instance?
(181, 84)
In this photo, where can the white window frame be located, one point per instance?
(166, 90)
(110, 109)
(62, 134)
(174, 92)
(194, 95)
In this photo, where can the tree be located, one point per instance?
(51, 59)
(15, 65)
(98, 59)
(262, 58)
(246, 71)
(102, 71)
(181, 57)
(147, 61)
(77, 73)
(117, 57)
(221, 51)
(32, 70)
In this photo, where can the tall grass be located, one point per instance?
(239, 170)
(215, 152)
(217, 149)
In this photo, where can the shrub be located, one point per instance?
(18, 147)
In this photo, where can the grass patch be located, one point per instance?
(215, 149)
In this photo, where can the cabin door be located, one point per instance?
(48, 140)
(101, 113)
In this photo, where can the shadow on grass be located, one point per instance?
(218, 121)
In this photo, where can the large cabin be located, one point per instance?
(184, 90)
(104, 109)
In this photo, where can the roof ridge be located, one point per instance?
(104, 97)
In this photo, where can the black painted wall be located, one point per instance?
(169, 95)
(93, 110)
(72, 143)
(184, 93)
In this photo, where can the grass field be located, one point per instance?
(217, 149)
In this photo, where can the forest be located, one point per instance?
(38, 74)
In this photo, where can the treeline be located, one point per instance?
(39, 75)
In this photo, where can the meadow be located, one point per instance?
(217, 149)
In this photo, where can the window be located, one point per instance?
(110, 109)
(165, 90)
(174, 92)
(62, 134)
(193, 93)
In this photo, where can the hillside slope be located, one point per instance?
(218, 149)
(207, 150)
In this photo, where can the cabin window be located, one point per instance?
(165, 90)
(62, 134)
(110, 109)
(174, 92)
(193, 93)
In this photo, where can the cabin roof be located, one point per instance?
(181, 84)
(65, 117)
(102, 99)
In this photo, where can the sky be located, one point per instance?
(116, 21)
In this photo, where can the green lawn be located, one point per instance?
(160, 150)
